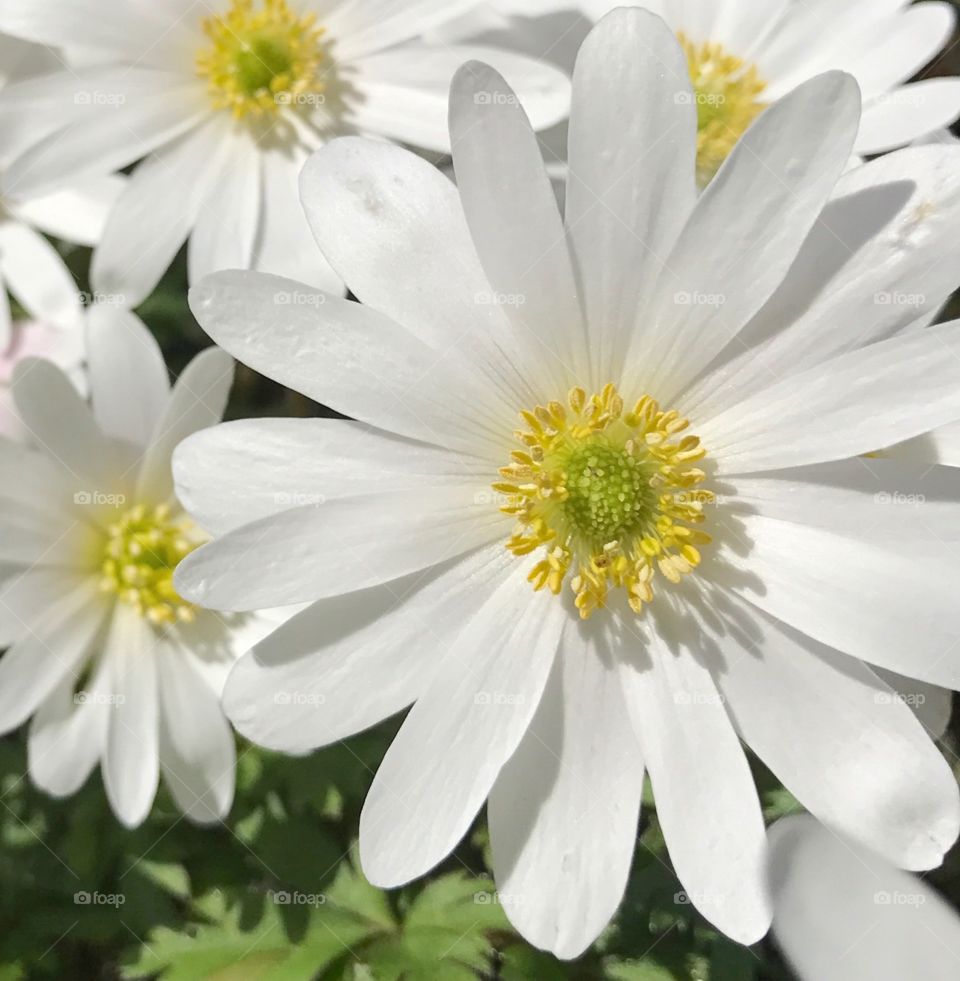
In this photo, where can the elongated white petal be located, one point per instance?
(744, 233)
(36, 275)
(243, 471)
(850, 593)
(468, 724)
(563, 812)
(308, 684)
(197, 752)
(909, 113)
(198, 400)
(705, 796)
(840, 739)
(514, 219)
(346, 355)
(338, 546)
(131, 765)
(128, 376)
(631, 183)
(841, 912)
(855, 403)
(77, 213)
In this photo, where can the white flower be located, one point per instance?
(226, 100)
(745, 54)
(742, 581)
(842, 913)
(30, 267)
(111, 664)
(33, 340)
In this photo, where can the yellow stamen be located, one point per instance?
(262, 57)
(727, 90)
(142, 550)
(607, 493)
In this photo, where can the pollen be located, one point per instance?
(142, 550)
(262, 57)
(609, 497)
(728, 92)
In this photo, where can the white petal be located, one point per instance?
(198, 400)
(348, 356)
(842, 913)
(243, 471)
(850, 594)
(50, 650)
(156, 212)
(26, 596)
(392, 225)
(363, 26)
(151, 109)
(131, 765)
(941, 446)
(197, 751)
(853, 404)
(61, 424)
(308, 684)
(460, 732)
(882, 255)
(285, 245)
(908, 113)
(932, 706)
(563, 812)
(840, 740)
(745, 232)
(36, 275)
(227, 224)
(338, 546)
(706, 800)
(68, 733)
(631, 185)
(404, 92)
(514, 219)
(75, 214)
(128, 376)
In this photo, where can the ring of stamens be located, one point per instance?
(262, 57)
(728, 93)
(142, 551)
(613, 496)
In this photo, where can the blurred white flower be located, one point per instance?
(34, 340)
(111, 664)
(842, 913)
(745, 54)
(226, 101)
(742, 582)
(30, 267)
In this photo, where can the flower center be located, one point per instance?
(612, 495)
(262, 58)
(727, 91)
(142, 550)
